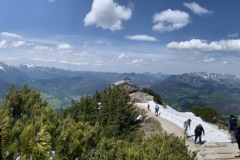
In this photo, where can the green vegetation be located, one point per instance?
(207, 114)
(156, 97)
(87, 130)
(180, 95)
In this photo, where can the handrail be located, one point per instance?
(222, 122)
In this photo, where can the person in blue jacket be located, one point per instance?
(233, 128)
(156, 110)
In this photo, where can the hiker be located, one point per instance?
(198, 133)
(148, 107)
(138, 89)
(186, 125)
(233, 128)
(156, 110)
(238, 138)
(133, 98)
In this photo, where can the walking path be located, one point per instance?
(215, 148)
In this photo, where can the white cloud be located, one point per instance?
(86, 45)
(224, 62)
(141, 38)
(51, 0)
(154, 60)
(11, 35)
(107, 14)
(197, 44)
(18, 43)
(209, 60)
(98, 64)
(72, 63)
(3, 44)
(64, 46)
(35, 59)
(122, 56)
(170, 20)
(197, 9)
(82, 54)
(8, 59)
(42, 48)
(137, 61)
(50, 60)
(233, 35)
(99, 61)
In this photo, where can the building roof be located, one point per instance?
(122, 82)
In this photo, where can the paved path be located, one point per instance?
(207, 151)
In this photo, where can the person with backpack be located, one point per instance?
(186, 125)
(148, 107)
(198, 133)
(233, 128)
(156, 110)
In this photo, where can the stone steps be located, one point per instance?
(220, 151)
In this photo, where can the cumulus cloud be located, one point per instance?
(64, 46)
(86, 45)
(82, 54)
(209, 60)
(18, 43)
(73, 63)
(107, 14)
(98, 64)
(42, 48)
(35, 59)
(135, 61)
(122, 56)
(11, 35)
(197, 44)
(154, 60)
(3, 44)
(170, 20)
(224, 62)
(196, 8)
(233, 35)
(141, 38)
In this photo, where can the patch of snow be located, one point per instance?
(1, 68)
(31, 65)
(139, 117)
(178, 118)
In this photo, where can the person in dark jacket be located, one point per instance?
(233, 128)
(238, 138)
(198, 133)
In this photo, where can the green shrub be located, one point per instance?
(156, 97)
(207, 114)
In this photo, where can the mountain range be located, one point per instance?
(202, 89)
(59, 86)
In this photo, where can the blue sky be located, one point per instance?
(168, 36)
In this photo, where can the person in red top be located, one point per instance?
(148, 107)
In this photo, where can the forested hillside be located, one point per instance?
(102, 126)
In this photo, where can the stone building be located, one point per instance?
(125, 83)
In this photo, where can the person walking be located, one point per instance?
(186, 125)
(198, 133)
(238, 138)
(233, 128)
(133, 98)
(156, 110)
(148, 107)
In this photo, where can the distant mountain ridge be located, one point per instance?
(158, 76)
(202, 89)
(12, 74)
